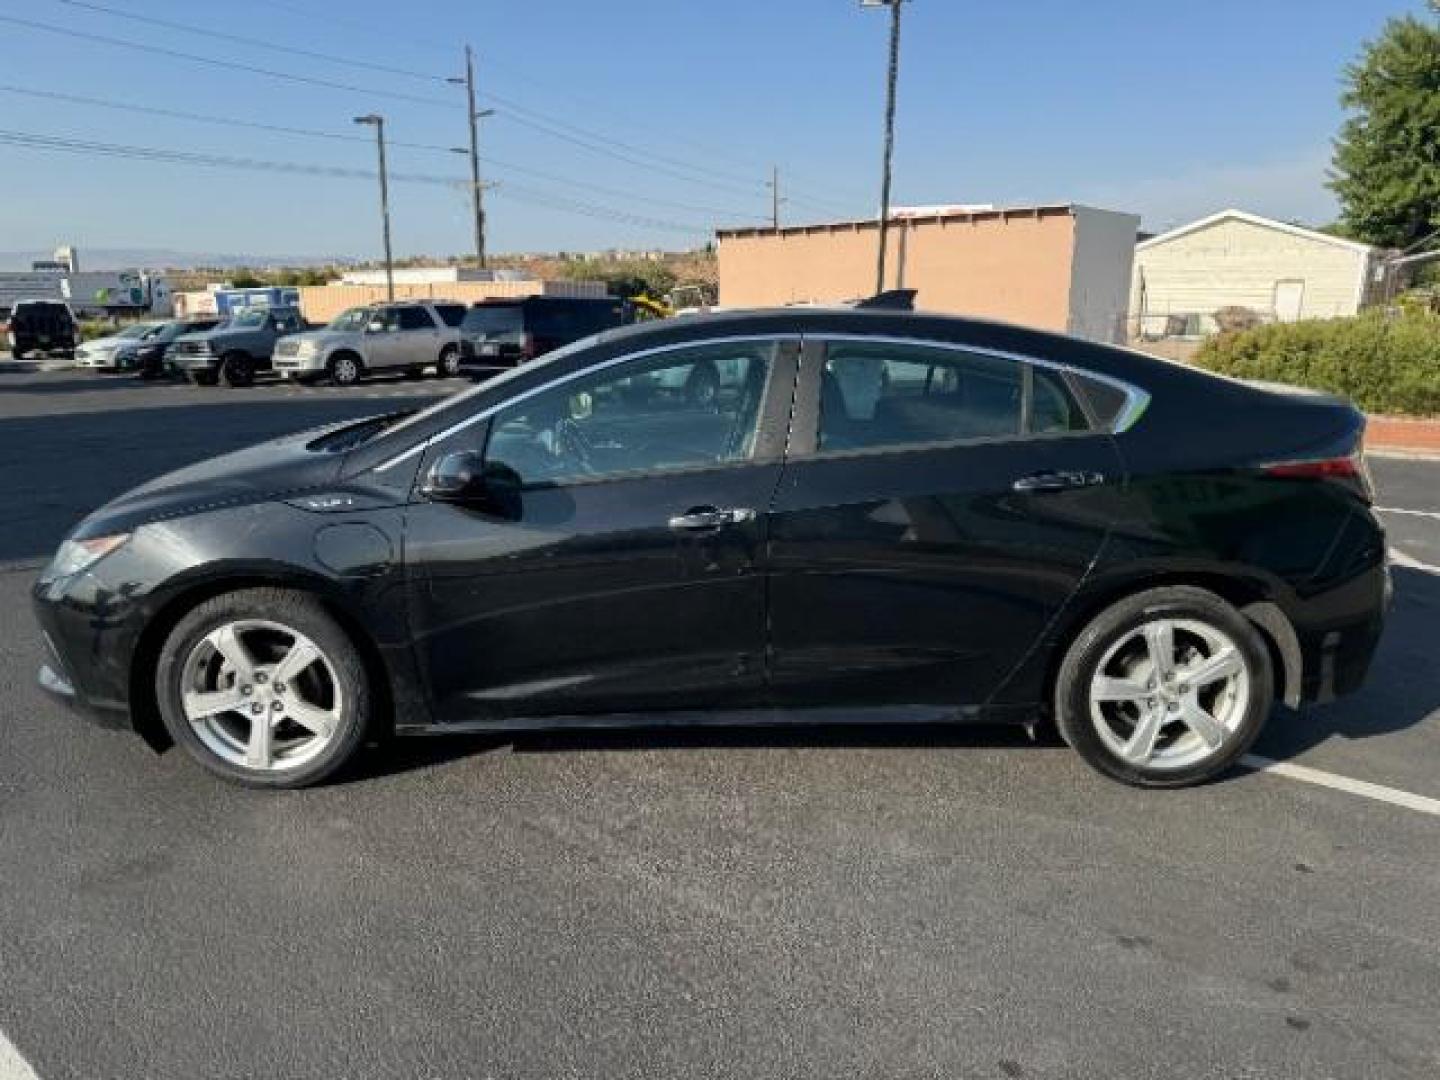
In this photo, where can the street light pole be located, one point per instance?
(378, 123)
(474, 116)
(892, 77)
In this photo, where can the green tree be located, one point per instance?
(1386, 170)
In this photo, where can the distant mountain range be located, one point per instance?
(166, 258)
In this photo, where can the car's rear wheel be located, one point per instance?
(1165, 688)
(344, 369)
(264, 688)
(448, 365)
(237, 369)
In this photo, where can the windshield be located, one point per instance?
(248, 320)
(493, 320)
(139, 330)
(457, 401)
(353, 319)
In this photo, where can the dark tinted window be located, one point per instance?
(450, 314)
(415, 318)
(1053, 407)
(688, 408)
(897, 395)
(1106, 400)
(493, 319)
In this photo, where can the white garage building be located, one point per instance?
(1233, 259)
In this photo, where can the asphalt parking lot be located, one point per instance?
(856, 902)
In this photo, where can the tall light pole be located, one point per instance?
(473, 116)
(892, 77)
(378, 123)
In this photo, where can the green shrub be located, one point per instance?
(1383, 364)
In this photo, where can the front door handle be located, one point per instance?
(710, 517)
(1057, 481)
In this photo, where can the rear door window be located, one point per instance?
(883, 395)
(415, 318)
(450, 314)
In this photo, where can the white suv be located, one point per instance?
(382, 337)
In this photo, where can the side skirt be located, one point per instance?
(765, 717)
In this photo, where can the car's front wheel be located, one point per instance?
(264, 688)
(448, 365)
(237, 369)
(344, 369)
(1165, 688)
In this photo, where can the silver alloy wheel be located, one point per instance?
(345, 370)
(1169, 694)
(261, 695)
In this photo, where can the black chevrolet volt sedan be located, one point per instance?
(760, 517)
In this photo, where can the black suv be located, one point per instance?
(42, 326)
(504, 333)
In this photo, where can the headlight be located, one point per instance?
(307, 348)
(77, 555)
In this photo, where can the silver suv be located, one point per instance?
(380, 337)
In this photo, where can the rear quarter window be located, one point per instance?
(1105, 400)
(451, 315)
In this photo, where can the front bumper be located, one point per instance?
(57, 682)
(299, 365)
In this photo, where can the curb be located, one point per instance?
(1402, 435)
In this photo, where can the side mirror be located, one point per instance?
(454, 478)
(467, 478)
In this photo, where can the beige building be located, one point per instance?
(1057, 267)
(321, 303)
(1233, 259)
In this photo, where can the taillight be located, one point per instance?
(1350, 470)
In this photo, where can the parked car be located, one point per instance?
(380, 337)
(503, 333)
(151, 355)
(236, 349)
(117, 352)
(44, 326)
(888, 515)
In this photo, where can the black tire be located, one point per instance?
(1081, 666)
(294, 609)
(448, 366)
(237, 369)
(345, 369)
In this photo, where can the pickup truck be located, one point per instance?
(237, 349)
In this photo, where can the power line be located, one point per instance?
(259, 43)
(232, 121)
(66, 144)
(533, 118)
(231, 65)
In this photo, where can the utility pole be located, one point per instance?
(474, 116)
(892, 77)
(378, 123)
(775, 200)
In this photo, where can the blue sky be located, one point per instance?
(1167, 109)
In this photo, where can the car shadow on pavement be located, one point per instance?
(406, 755)
(1400, 692)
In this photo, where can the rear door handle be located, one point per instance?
(709, 517)
(1057, 481)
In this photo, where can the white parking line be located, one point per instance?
(1432, 514)
(1363, 788)
(12, 1065)
(1399, 558)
